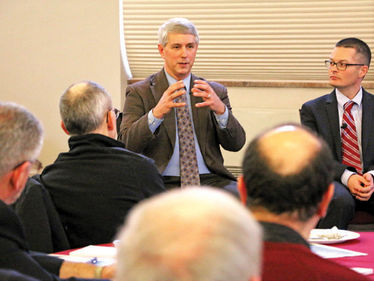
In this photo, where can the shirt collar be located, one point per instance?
(342, 99)
(172, 80)
(274, 232)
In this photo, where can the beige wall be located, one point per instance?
(48, 45)
(261, 108)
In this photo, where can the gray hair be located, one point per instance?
(83, 107)
(176, 25)
(189, 234)
(21, 136)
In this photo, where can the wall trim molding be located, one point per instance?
(273, 83)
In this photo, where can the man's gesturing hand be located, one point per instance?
(202, 89)
(166, 103)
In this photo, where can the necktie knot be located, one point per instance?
(348, 105)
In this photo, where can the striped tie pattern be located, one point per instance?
(189, 171)
(350, 149)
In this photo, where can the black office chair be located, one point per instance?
(41, 222)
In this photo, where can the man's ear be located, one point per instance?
(326, 198)
(363, 71)
(161, 50)
(64, 128)
(111, 124)
(242, 190)
(18, 180)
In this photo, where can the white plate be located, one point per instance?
(316, 236)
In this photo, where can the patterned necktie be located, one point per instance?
(189, 171)
(350, 149)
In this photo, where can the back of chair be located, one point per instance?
(41, 222)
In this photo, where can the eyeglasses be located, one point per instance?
(340, 65)
(116, 113)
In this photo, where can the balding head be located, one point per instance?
(287, 170)
(189, 234)
(288, 149)
(84, 107)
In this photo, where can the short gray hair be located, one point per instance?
(83, 107)
(189, 234)
(176, 25)
(21, 136)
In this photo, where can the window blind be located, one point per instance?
(250, 40)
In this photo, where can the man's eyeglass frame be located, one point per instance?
(342, 66)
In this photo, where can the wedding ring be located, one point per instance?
(208, 97)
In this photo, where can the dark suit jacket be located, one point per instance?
(142, 96)
(11, 275)
(321, 115)
(14, 253)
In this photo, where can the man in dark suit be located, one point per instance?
(149, 120)
(287, 184)
(21, 138)
(348, 64)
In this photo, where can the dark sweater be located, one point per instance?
(94, 186)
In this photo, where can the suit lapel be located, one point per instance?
(333, 119)
(367, 120)
(159, 85)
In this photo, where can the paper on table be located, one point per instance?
(95, 251)
(329, 252)
(97, 261)
(363, 270)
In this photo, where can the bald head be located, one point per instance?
(83, 107)
(188, 237)
(286, 170)
(288, 149)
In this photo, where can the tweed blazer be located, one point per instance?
(143, 96)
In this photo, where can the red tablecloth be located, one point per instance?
(364, 244)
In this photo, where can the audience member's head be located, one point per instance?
(187, 235)
(86, 107)
(21, 139)
(178, 26)
(287, 173)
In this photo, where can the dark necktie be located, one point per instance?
(350, 149)
(189, 171)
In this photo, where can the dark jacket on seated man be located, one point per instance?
(36, 211)
(11, 275)
(95, 184)
(14, 253)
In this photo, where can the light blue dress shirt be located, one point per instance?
(173, 168)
